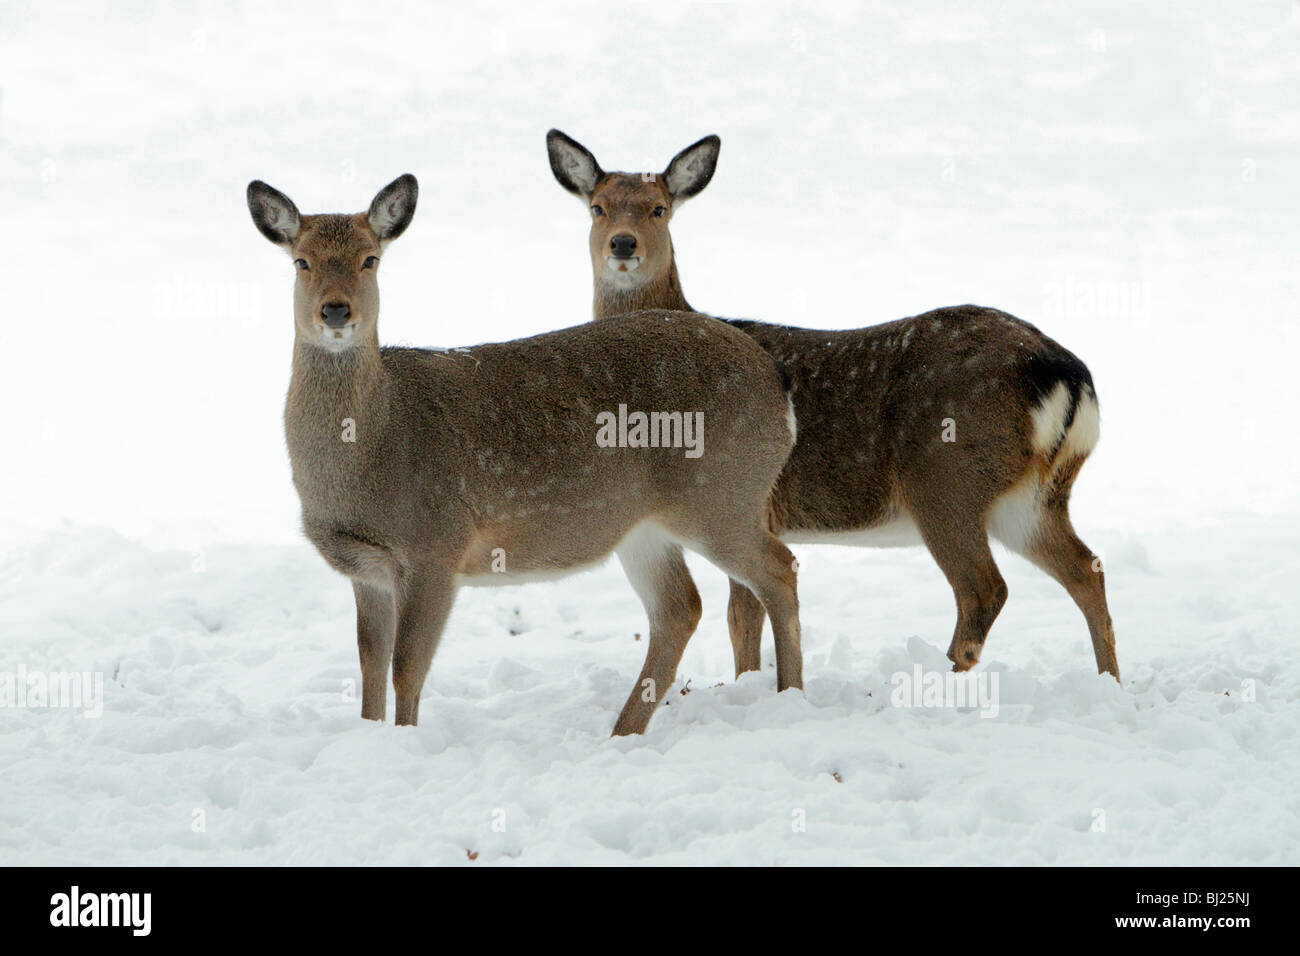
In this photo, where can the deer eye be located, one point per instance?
(301, 264)
(597, 211)
(370, 263)
(659, 212)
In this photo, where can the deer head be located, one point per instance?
(630, 212)
(336, 296)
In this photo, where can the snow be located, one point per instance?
(1122, 176)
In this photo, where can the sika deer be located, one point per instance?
(939, 429)
(420, 470)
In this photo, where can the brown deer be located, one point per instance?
(420, 470)
(939, 429)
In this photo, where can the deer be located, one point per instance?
(941, 429)
(423, 470)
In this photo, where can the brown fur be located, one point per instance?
(871, 404)
(459, 453)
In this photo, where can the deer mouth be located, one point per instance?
(336, 340)
(623, 263)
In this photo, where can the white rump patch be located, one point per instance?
(1085, 430)
(1049, 419)
(1013, 519)
(1049, 423)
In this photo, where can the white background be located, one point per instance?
(1122, 175)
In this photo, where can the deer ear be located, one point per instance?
(274, 213)
(692, 168)
(393, 207)
(573, 165)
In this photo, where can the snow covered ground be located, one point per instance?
(1122, 175)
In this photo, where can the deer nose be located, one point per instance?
(623, 246)
(335, 314)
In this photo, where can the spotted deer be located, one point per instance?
(421, 470)
(940, 429)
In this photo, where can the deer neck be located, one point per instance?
(662, 292)
(336, 402)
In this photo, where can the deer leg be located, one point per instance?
(425, 599)
(763, 564)
(962, 553)
(658, 572)
(745, 617)
(376, 631)
(1058, 551)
